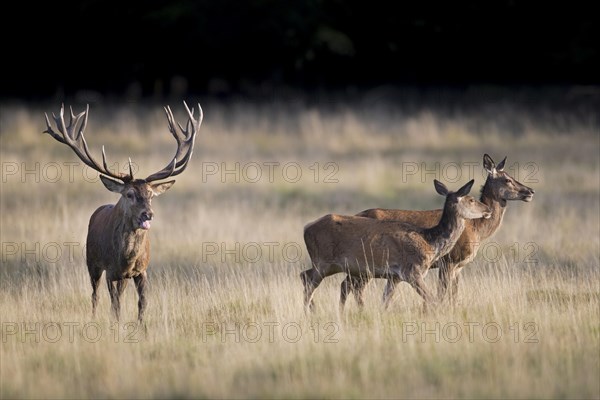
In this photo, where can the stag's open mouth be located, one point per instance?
(144, 222)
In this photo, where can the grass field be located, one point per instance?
(225, 316)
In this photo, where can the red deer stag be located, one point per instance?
(398, 251)
(117, 239)
(499, 187)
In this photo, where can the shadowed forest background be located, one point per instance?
(157, 49)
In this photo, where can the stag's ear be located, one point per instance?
(500, 165)
(440, 187)
(112, 185)
(463, 191)
(160, 188)
(489, 164)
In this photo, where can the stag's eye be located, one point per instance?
(130, 195)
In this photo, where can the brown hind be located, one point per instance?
(366, 247)
(499, 187)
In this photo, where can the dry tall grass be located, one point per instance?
(225, 315)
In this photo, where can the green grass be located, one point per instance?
(225, 321)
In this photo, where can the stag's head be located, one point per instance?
(136, 194)
(136, 199)
(502, 185)
(460, 203)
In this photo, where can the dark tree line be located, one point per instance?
(232, 46)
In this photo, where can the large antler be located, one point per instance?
(185, 143)
(73, 137)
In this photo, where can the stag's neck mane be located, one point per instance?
(128, 237)
(487, 227)
(445, 234)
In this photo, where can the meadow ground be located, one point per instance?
(225, 315)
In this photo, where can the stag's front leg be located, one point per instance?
(95, 278)
(141, 283)
(115, 288)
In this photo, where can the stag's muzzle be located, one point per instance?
(144, 220)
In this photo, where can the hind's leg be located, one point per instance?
(311, 278)
(389, 290)
(418, 283)
(345, 288)
(356, 285)
(454, 284)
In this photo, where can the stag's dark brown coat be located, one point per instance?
(117, 239)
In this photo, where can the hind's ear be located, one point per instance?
(440, 187)
(463, 191)
(489, 164)
(500, 165)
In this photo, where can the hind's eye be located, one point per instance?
(507, 180)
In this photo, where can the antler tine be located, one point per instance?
(190, 137)
(130, 169)
(73, 136)
(185, 144)
(51, 132)
(189, 122)
(191, 115)
(171, 122)
(77, 117)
